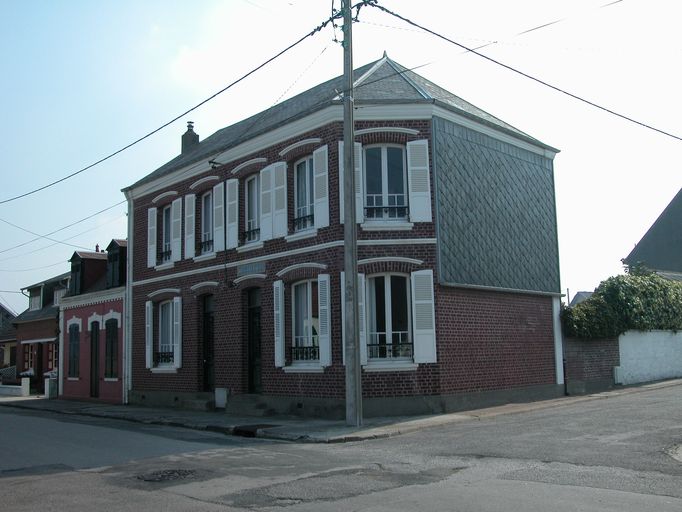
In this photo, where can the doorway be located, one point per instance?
(253, 330)
(207, 335)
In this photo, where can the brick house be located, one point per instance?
(235, 275)
(37, 329)
(91, 325)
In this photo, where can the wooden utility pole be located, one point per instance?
(351, 325)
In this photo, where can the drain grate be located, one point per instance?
(166, 475)
(249, 430)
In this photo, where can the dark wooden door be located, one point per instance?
(254, 340)
(207, 334)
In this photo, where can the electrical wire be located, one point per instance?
(128, 146)
(38, 237)
(68, 238)
(32, 269)
(526, 75)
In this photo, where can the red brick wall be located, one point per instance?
(493, 340)
(36, 330)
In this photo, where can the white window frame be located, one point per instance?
(34, 302)
(58, 294)
(309, 207)
(385, 196)
(165, 344)
(207, 223)
(252, 223)
(388, 310)
(309, 340)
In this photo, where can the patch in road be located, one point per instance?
(35, 470)
(333, 486)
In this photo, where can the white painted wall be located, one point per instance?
(649, 355)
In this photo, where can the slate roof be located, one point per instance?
(90, 255)
(55, 279)
(46, 313)
(661, 247)
(380, 82)
(8, 333)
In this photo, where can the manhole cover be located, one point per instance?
(166, 475)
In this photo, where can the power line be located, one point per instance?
(34, 268)
(111, 155)
(526, 75)
(47, 236)
(41, 236)
(69, 238)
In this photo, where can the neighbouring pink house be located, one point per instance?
(91, 323)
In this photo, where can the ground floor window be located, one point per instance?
(163, 335)
(305, 321)
(74, 350)
(111, 349)
(388, 315)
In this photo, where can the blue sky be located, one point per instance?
(82, 79)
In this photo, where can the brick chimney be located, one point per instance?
(189, 138)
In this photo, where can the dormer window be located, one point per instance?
(58, 294)
(34, 300)
(76, 278)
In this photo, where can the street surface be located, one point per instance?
(608, 454)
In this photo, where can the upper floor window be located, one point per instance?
(76, 283)
(304, 216)
(305, 321)
(165, 254)
(206, 223)
(385, 183)
(113, 270)
(252, 189)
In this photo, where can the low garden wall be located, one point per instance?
(648, 356)
(589, 364)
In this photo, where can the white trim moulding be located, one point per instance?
(296, 145)
(387, 129)
(202, 181)
(170, 193)
(291, 268)
(246, 164)
(173, 291)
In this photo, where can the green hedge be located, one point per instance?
(636, 301)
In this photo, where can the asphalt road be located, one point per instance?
(609, 454)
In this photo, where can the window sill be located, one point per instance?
(110, 379)
(251, 246)
(301, 235)
(164, 369)
(165, 266)
(378, 225)
(304, 368)
(73, 379)
(204, 257)
(390, 366)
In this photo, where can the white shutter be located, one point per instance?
(151, 237)
(278, 321)
(324, 327)
(362, 318)
(177, 332)
(419, 184)
(423, 317)
(279, 215)
(359, 184)
(148, 334)
(343, 318)
(176, 230)
(266, 203)
(219, 217)
(190, 209)
(321, 193)
(232, 212)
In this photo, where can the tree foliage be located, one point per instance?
(639, 300)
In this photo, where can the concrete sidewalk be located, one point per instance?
(294, 428)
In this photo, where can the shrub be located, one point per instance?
(636, 301)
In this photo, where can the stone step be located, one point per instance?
(248, 405)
